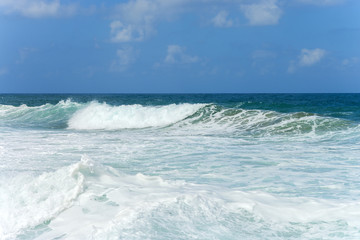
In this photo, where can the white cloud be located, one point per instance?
(135, 20)
(125, 57)
(24, 53)
(37, 8)
(292, 66)
(3, 71)
(321, 2)
(176, 54)
(263, 54)
(307, 57)
(350, 62)
(266, 12)
(122, 33)
(220, 20)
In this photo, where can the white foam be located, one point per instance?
(103, 116)
(26, 202)
(87, 200)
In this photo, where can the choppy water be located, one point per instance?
(231, 166)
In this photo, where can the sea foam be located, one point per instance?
(26, 202)
(87, 200)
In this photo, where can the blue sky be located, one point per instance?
(184, 46)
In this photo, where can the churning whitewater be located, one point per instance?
(231, 166)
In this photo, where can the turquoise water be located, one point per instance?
(200, 166)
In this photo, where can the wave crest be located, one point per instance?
(103, 116)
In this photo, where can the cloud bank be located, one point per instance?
(135, 20)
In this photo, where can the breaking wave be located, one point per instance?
(203, 117)
(103, 116)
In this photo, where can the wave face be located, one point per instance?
(264, 122)
(43, 116)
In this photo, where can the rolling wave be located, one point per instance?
(202, 117)
(263, 122)
(44, 116)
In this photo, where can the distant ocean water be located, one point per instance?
(177, 166)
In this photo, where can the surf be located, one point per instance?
(88, 200)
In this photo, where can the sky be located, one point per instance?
(179, 46)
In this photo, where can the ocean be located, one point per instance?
(180, 166)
